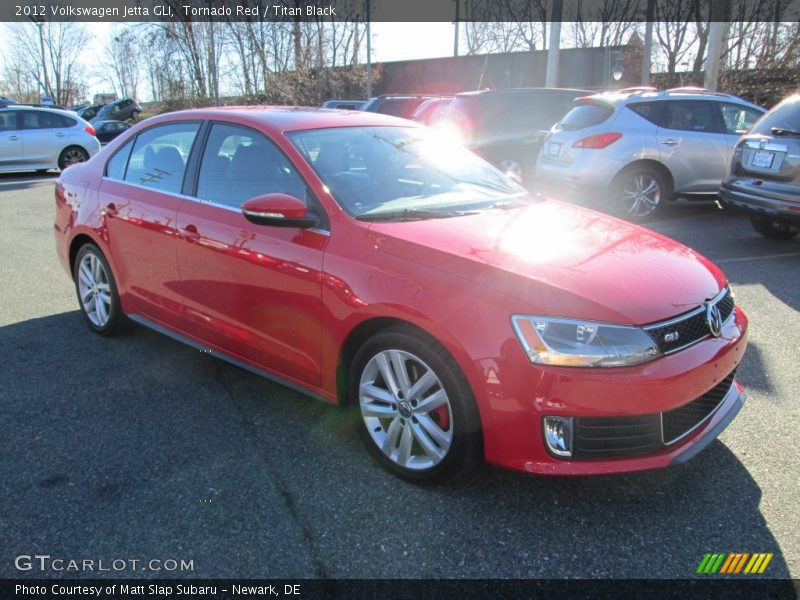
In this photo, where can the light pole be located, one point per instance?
(458, 17)
(369, 54)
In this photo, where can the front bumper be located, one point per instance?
(520, 397)
(736, 193)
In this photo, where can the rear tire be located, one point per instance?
(639, 193)
(772, 228)
(72, 156)
(419, 419)
(97, 292)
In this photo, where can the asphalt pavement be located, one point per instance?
(141, 448)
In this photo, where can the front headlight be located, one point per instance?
(572, 343)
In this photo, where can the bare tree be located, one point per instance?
(47, 56)
(123, 62)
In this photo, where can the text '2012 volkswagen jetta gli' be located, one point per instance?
(361, 259)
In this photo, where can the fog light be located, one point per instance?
(558, 435)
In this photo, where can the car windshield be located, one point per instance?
(403, 172)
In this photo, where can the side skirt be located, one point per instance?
(215, 352)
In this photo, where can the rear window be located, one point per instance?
(784, 116)
(400, 107)
(586, 114)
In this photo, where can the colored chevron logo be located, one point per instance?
(734, 563)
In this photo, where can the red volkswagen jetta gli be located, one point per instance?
(363, 260)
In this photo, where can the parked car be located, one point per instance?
(764, 178)
(629, 152)
(88, 113)
(506, 127)
(402, 105)
(119, 110)
(38, 139)
(431, 110)
(76, 107)
(363, 259)
(108, 130)
(344, 104)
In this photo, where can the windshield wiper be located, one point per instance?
(784, 131)
(414, 214)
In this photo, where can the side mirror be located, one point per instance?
(278, 210)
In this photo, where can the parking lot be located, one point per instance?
(140, 447)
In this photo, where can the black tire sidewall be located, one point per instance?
(466, 446)
(116, 320)
(62, 156)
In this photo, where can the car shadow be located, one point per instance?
(140, 429)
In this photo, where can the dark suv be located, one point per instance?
(507, 127)
(765, 172)
(119, 110)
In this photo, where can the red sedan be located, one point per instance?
(363, 260)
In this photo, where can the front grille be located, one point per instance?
(690, 328)
(616, 436)
(680, 421)
(608, 437)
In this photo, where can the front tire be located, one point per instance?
(639, 193)
(72, 156)
(772, 229)
(97, 292)
(418, 414)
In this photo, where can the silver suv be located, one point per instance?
(628, 152)
(38, 139)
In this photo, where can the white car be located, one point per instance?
(38, 139)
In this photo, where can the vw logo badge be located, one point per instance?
(714, 319)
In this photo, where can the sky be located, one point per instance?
(390, 42)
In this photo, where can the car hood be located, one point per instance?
(561, 260)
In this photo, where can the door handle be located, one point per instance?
(13, 138)
(670, 142)
(59, 134)
(190, 234)
(110, 210)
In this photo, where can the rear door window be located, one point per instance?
(45, 120)
(159, 156)
(701, 116)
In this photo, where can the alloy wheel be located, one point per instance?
(73, 156)
(94, 290)
(406, 409)
(641, 195)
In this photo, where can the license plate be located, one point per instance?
(554, 149)
(763, 159)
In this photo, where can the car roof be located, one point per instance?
(61, 111)
(682, 93)
(523, 91)
(277, 119)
